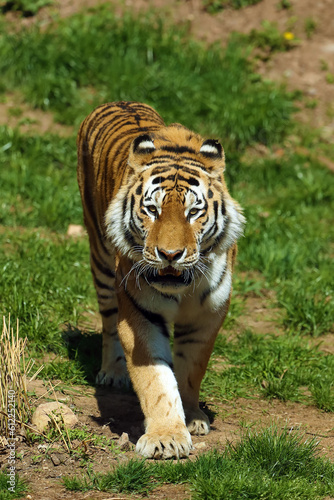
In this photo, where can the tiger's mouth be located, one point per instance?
(169, 270)
(169, 276)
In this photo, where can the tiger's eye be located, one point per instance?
(193, 211)
(152, 209)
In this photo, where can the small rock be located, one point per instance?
(41, 417)
(124, 442)
(200, 446)
(75, 230)
(55, 459)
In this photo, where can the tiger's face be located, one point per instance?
(175, 210)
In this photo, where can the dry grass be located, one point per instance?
(13, 378)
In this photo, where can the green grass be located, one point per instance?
(269, 464)
(276, 367)
(20, 487)
(291, 245)
(214, 6)
(26, 7)
(84, 60)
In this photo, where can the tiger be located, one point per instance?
(162, 229)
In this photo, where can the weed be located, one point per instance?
(310, 27)
(214, 6)
(27, 7)
(284, 4)
(324, 65)
(269, 39)
(15, 111)
(311, 103)
(330, 78)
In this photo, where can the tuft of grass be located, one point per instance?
(214, 6)
(132, 477)
(13, 379)
(323, 393)
(26, 7)
(268, 39)
(19, 489)
(310, 27)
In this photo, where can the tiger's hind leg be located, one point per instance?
(113, 368)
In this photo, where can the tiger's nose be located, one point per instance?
(170, 255)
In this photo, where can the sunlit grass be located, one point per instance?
(98, 57)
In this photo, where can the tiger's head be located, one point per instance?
(174, 212)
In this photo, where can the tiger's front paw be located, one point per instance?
(198, 423)
(165, 445)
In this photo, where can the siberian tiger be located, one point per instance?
(162, 228)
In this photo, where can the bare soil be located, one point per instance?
(108, 413)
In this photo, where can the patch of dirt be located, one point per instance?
(14, 112)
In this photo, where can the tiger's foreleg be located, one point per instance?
(144, 337)
(193, 345)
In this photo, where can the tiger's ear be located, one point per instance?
(213, 150)
(141, 146)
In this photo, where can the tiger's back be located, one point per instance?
(162, 228)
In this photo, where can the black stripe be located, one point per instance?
(109, 312)
(215, 208)
(184, 330)
(101, 296)
(178, 149)
(154, 318)
(103, 269)
(99, 284)
(191, 341)
(170, 297)
(223, 208)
